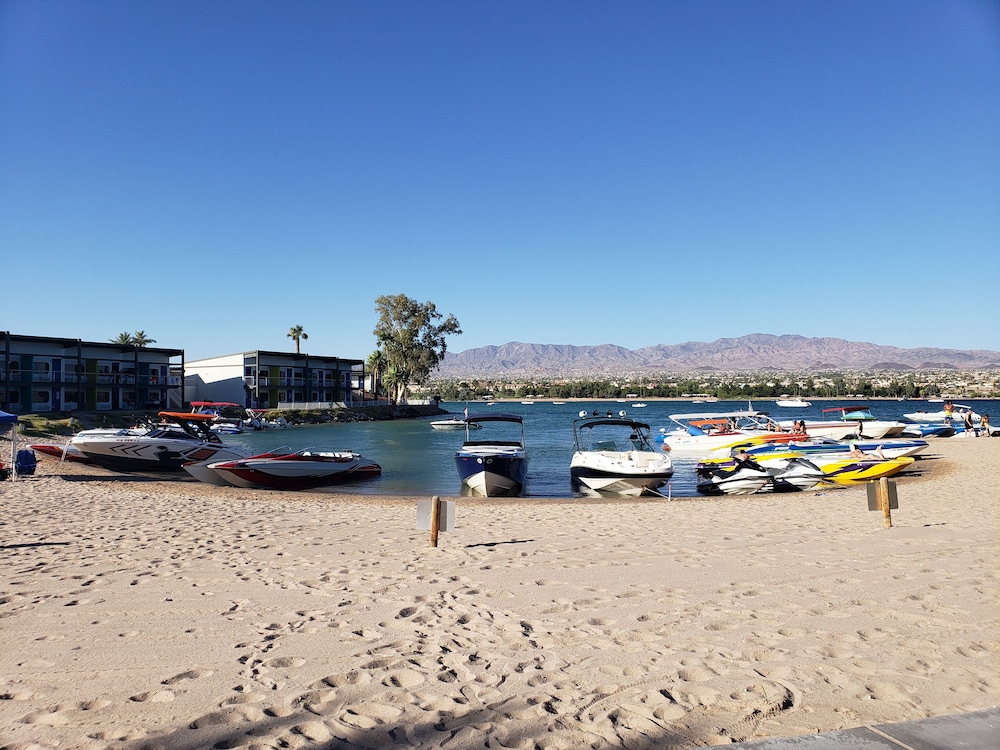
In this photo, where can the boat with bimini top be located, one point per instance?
(180, 437)
(498, 466)
(701, 433)
(613, 455)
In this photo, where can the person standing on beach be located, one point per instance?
(967, 421)
(948, 409)
(984, 426)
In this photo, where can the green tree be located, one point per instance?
(376, 366)
(412, 339)
(297, 333)
(140, 339)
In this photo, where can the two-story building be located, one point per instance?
(44, 374)
(271, 380)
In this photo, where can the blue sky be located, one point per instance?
(564, 172)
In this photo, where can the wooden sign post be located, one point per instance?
(882, 496)
(435, 515)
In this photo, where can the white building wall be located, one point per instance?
(215, 379)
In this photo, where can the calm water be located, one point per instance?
(419, 460)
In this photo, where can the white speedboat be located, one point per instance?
(792, 403)
(303, 470)
(700, 433)
(854, 421)
(940, 417)
(179, 439)
(615, 456)
(454, 423)
(496, 467)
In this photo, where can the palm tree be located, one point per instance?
(296, 333)
(124, 338)
(376, 365)
(140, 339)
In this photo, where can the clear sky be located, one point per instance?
(558, 172)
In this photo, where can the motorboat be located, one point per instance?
(924, 429)
(788, 402)
(855, 470)
(826, 446)
(203, 471)
(615, 456)
(259, 421)
(497, 467)
(854, 421)
(454, 423)
(180, 438)
(306, 469)
(856, 467)
(700, 433)
(70, 452)
(957, 415)
(222, 412)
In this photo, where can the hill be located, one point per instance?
(755, 351)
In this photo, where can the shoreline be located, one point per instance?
(143, 613)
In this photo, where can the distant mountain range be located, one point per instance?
(756, 351)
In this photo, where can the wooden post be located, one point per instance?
(883, 502)
(435, 521)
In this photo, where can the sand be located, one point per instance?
(142, 613)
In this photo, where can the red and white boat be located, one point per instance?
(203, 471)
(303, 470)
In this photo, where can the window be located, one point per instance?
(41, 400)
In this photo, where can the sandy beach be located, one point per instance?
(139, 612)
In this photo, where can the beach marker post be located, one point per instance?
(882, 496)
(435, 515)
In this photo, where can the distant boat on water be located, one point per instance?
(792, 403)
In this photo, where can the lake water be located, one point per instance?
(419, 460)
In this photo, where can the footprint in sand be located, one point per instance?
(191, 674)
(158, 696)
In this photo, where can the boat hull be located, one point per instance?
(139, 454)
(297, 471)
(62, 452)
(491, 474)
(620, 473)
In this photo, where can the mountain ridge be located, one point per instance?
(754, 351)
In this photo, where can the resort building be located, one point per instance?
(276, 380)
(42, 374)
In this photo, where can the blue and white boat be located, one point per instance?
(826, 446)
(497, 466)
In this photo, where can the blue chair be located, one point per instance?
(25, 462)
